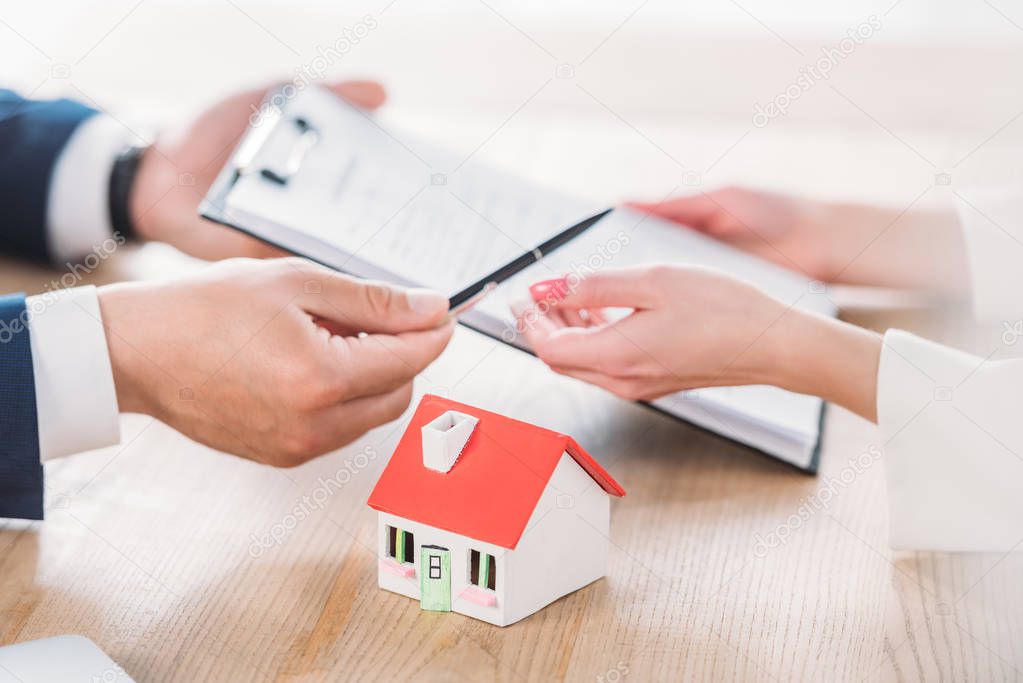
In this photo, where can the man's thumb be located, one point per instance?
(370, 306)
(386, 308)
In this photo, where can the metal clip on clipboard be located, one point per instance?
(307, 139)
(214, 205)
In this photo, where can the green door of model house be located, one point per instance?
(435, 579)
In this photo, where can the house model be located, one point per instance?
(488, 516)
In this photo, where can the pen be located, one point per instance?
(468, 297)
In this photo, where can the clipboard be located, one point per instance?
(280, 170)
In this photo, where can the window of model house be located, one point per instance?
(401, 545)
(482, 570)
(435, 570)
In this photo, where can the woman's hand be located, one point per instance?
(276, 361)
(693, 327)
(842, 243)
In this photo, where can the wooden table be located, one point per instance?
(149, 549)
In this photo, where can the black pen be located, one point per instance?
(472, 294)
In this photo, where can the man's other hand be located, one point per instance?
(179, 168)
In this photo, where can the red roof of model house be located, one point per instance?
(495, 484)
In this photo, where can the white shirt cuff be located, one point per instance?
(992, 224)
(953, 446)
(76, 403)
(78, 210)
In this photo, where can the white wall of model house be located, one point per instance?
(565, 544)
(564, 547)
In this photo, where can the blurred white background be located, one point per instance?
(603, 98)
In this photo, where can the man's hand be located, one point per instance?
(853, 244)
(179, 168)
(277, 361)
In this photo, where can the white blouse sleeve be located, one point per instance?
(952, 436)
(992, 225)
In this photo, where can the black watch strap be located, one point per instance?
(122, 179)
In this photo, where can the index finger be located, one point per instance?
(377, 363)
(631, 287)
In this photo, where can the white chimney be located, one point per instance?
(444, 439)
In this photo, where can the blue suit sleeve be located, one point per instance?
(32, 135)
(21, 472)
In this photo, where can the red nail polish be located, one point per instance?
(550, 290)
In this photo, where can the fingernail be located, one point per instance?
(550, 290)
(426, 302)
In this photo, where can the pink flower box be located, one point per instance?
(479, 596)
(403, 570)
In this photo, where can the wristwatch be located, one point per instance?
(122, 179)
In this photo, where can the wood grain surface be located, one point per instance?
(156, 550)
